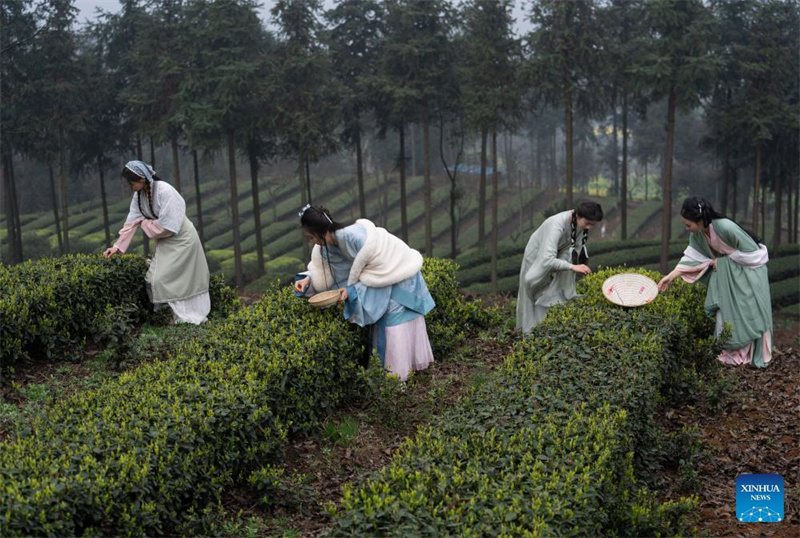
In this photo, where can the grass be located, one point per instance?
(341, 433)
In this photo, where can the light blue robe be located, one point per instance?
(365, 305)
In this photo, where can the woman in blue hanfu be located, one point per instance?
(738, 284)
(178, 274)
(555, 255)
(379, 282)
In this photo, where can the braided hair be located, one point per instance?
(586, 210)
(133, 177)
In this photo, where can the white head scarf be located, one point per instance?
(142, 170)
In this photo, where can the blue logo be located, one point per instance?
(759, 498)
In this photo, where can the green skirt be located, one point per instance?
(179, 269)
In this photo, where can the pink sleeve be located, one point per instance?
(153, 230)
(126, 235)
(692, 274)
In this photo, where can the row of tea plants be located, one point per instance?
(561, 441)
(147, 452)
(53, 307)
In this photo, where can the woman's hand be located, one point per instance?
(581, 269)
(301, 285)
(714, 264)
(110, 251)
(664, 283)
(342, 295)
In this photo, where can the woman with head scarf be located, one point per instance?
(379, 282)
(738, 284)
(555, 255)
(178, 273)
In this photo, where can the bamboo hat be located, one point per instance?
(630, 289)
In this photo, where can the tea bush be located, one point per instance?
(149, 453)
(555, 443)
(52, 306)
(452, 318)
(131, 456)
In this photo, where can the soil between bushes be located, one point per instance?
(757, 432)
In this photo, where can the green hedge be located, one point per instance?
(133, 456)
(452, 318)
(785, 292)
(146, 452)
(50, 307)
(548, 446)
(54, 306)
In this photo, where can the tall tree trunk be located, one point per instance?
(16, 210)
(200, 230)
(237, 246)
(538, 166)
(623, 199)
(54, 194)
(495, 204)
(427, 187)
(776, 234)
(646, 182)
(256, 211)
(139, 153)
(146, 243)
(568, 134)
(403, 201)
(11, 221)
(62, 175)
(452, 177)
(176, 165)
(796, 209)
(789, 216)
(554, 182)
(756, 188)
(301, 176)
(385, 194)
(726, 172)
(414, 162)
(616, 143)
(734, 184)
(482, 191)
(362, 202)
(104, 199)
(666, 184)
(763, 212)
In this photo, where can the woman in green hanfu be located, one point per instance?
(738, 287)
(178, 274)
(555, 254)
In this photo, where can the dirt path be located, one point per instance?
(758, 432)
(326, 464)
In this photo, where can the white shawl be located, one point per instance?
(384, 260)
(168, 204)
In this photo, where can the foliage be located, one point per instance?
(151, 451)
(452, 318)
(51, 307)
(548, 445)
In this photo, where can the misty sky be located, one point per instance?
(87, 10)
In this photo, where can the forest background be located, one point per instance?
(457, 125)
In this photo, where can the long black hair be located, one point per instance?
(132, 177)
(590, 211)
(317, 221)
(697, 209)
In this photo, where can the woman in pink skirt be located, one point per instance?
(379, 281)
